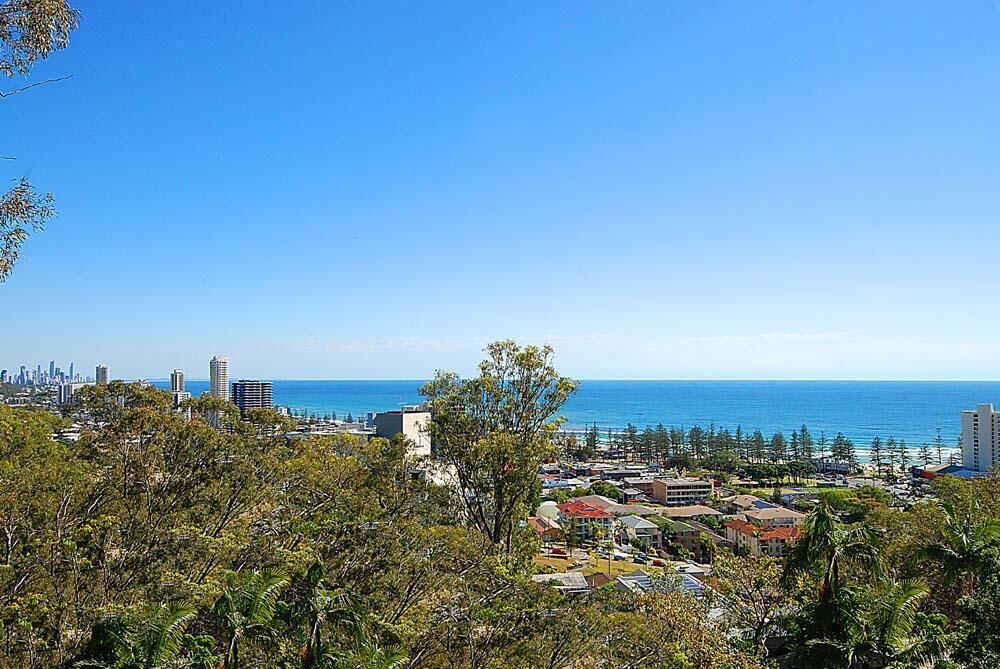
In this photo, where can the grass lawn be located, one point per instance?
(594, 566)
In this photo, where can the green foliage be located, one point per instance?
(496, 429)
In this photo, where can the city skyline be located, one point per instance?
(699, 190)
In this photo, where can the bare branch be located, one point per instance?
(37, 83)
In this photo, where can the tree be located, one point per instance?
(151, 642)
(924, 454)
(880, 627)
(826, 546)
(496, 429)
(30, 30)
(319, 608)
(965, 539)
(778, 451)
(752, 596)
(939, 445)
(245, 611)
(875, 454)
(807, 442)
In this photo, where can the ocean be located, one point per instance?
(910, 410)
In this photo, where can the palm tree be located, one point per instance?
(246, 610)
(370, 656)
(148, 643)
(827, 545)
(321, 608)
(964, 541)
(880, 627)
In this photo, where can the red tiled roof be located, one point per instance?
(766, 533)
(541, 524)
(581, 509)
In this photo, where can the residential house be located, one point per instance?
(641, 530)
(640, 581)
(759, 540)
(690, 511)
(570, 583)
(546, 528)
(739, 503)
(616, 508)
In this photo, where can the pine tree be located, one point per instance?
(794, 445)
(822, 444)
(939, 443)
(904, 456)
(779, 448)
(758, 447)
(891, 452)
(807, 442)
(924, 454)
(876, 455)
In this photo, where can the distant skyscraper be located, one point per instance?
(101, 375)
(251, 394)
(218, 371)
(52, 369)
(71, 376)
(177, 381)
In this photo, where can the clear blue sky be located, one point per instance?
(374, 190)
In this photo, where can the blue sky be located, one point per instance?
(375, 190)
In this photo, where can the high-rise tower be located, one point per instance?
(101, 375)
(218, 371)
(177, 381)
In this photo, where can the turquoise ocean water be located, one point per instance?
(911, 410)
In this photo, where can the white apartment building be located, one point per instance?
(981, 438)
(218, 373)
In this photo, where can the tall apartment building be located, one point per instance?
(981, 438)
(177, 381)
(251, 395)
(218, 373)
(101, 375)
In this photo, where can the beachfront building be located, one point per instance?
(682, 490)
(249, 395)
(413, 422)
(981, 438)
(755, 540)
(579, 519)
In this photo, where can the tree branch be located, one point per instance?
(7, 94)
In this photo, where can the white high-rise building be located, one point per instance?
(101, 375)
(177, 381)
(981, 438)
(218, 371)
